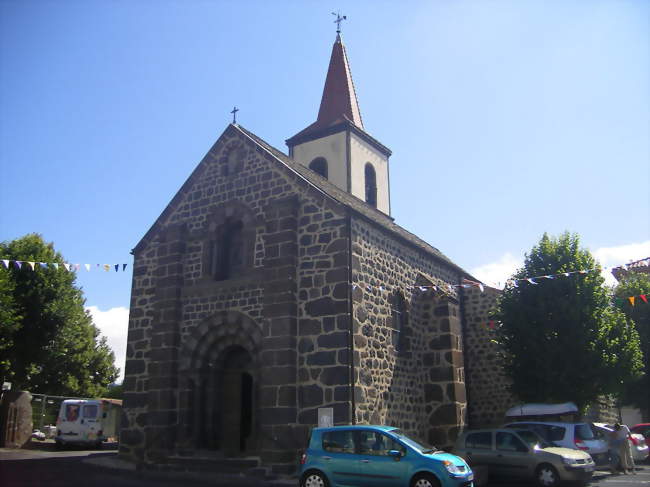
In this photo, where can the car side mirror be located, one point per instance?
(396, 454)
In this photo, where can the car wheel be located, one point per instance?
(547, 476)
(425, 480)
(314, 478)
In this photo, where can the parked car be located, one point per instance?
(638, 444)
(642, 429)
(374, 456)
(38, 435)
(517, 453)
(578, 436)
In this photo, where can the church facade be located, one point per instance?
(275, 289)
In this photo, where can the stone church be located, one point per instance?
(275, 289)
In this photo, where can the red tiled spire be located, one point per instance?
(339, 98)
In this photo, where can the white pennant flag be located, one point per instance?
(31, 264)
(87, 267)
(6, 263)
(56, 265)
(480, 286)
(67, 267)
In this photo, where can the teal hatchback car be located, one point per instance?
(377, 456)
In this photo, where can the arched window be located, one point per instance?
(227, 251)
(319, 165)
(400, 320)
(371, 185)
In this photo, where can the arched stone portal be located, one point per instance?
(220, 381)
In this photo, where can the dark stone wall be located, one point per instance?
(417, 383)
(487, 384)
(288, 306)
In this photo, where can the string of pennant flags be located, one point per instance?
(25, 264)
(32, 265)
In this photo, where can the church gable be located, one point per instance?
(248, 247)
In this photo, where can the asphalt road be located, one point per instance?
(44, 466)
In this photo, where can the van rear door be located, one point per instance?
(70, 425)
(90, 421)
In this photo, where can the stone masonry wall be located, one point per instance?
(420, 387)
(293, 291)
(487, 384)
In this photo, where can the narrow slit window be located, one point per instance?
(371, 185)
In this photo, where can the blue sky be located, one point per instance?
(506, 119)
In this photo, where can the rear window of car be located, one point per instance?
(479, 441)
(90, 411)
(338, 441)
(584, 432)
(72, 412)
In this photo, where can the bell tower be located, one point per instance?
(337, 146)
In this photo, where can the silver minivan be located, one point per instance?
(522, 454)
(579, 436)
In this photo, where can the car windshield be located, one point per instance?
(412, 443)
(532, 439)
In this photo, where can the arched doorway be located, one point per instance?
(218, 389)
(236, 402)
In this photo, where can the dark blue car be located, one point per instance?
(377, 456)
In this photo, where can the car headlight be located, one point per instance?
(454, 469)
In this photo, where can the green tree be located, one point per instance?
(115, 391)
(637, 392)
(51, 345)
(561, 338)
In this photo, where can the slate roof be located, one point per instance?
(352, 202)
(339, 100)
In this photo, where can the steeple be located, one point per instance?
(339, 101)
(336, 145)
(339, 98)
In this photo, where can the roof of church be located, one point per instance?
(339, 102)
(343, 197)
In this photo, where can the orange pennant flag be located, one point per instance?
(631, 299)
(643, 296)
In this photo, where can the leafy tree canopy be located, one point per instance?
(48, 342)
(637, 392)
(562, 340)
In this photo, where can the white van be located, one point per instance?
(87, 422)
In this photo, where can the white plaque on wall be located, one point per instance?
(325, 417)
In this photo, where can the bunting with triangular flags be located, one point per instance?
(18, 264)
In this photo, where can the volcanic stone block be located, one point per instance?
(334, 376)
(311, 395)
(333, 340)
(322, 358)
(432, 393)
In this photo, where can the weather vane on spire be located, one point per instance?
(338, 21)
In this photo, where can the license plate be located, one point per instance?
(589, 469)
